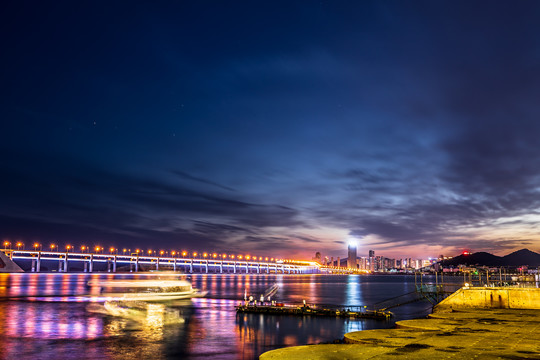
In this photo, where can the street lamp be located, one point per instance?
(68, 247)
(53, 246)
(19, 244)
(83, 248)
(6, 244)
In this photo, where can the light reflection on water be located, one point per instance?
(209, 327)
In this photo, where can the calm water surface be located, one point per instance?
(64, 327)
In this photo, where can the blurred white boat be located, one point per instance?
(146, 290)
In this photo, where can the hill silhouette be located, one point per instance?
(515, 259)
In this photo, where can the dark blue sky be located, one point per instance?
(274, 128)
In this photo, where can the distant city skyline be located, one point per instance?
(274, 129)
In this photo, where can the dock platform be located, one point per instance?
(313, 310)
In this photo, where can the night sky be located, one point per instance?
(272, 128)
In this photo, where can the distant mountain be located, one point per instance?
(515, 259)
(522, 257)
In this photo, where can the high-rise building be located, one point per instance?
(371, 253)
(351, 256)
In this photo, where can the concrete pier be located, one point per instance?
(455, 330)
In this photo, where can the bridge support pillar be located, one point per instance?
(85, 269)
(221, 267)
(234, 267)
(191, 266)
(66, 263)
(258, 268)
(38, 262)
(174, 265)
(157, 263)
(206, 266)
(114, 264)
(91, 263)
(33, 265)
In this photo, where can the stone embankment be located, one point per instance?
(471, 323)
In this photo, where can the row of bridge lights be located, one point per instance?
(115, 251)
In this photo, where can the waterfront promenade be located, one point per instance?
(452, 332)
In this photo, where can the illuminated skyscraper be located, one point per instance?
(351, 258)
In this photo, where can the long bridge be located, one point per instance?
(136, 262)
